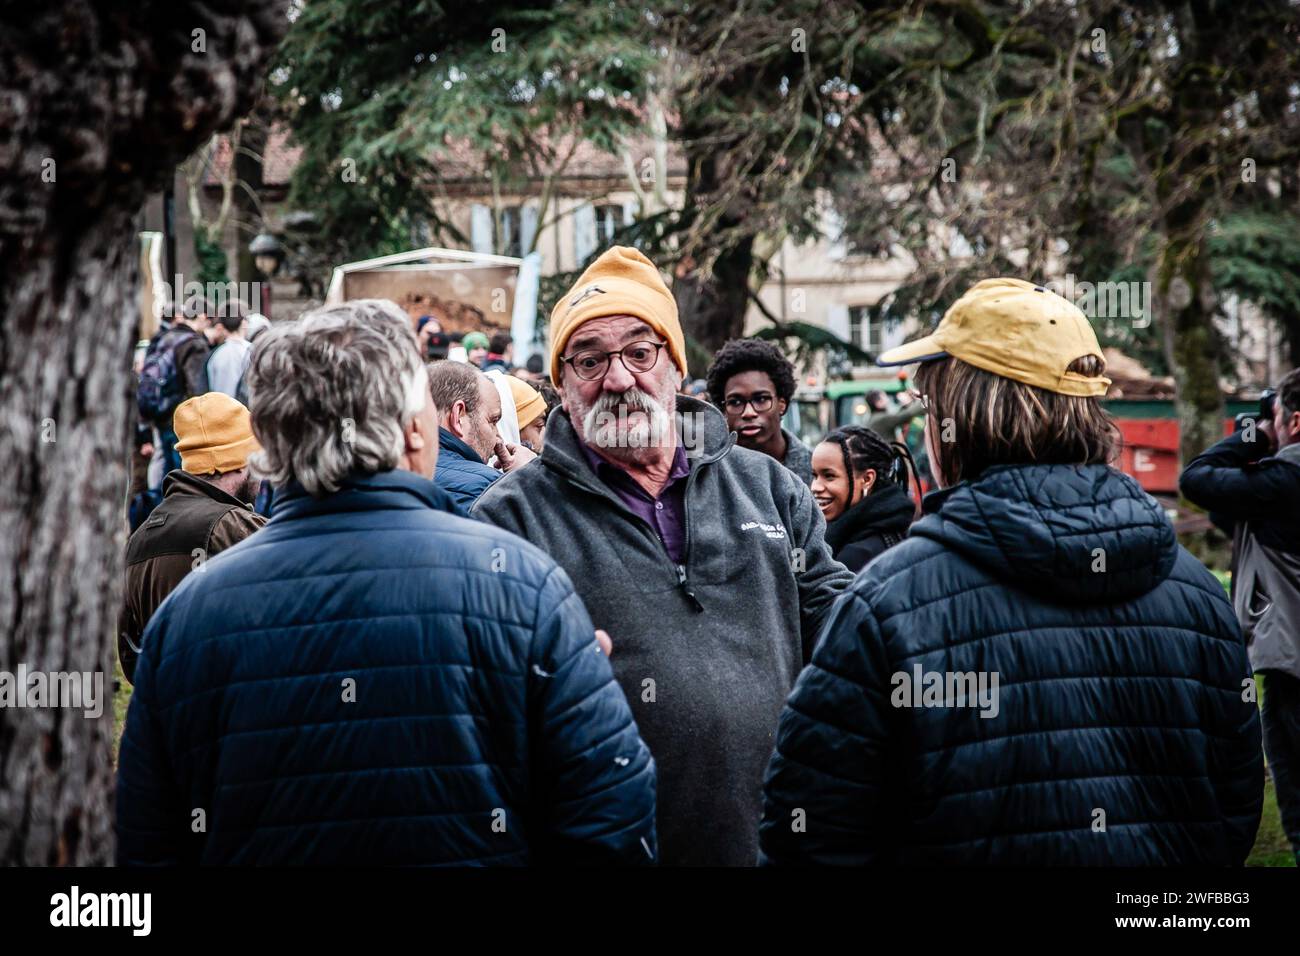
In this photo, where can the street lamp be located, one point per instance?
(267, 255)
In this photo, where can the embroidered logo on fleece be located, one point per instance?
(771, 530)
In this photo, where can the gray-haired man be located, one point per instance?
(706, 563)
(372, 680)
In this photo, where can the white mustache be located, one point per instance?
(634, 399)
(620, 405)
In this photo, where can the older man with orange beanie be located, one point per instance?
(705, 562)
(206, 508)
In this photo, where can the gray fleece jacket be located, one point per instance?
(707, 653)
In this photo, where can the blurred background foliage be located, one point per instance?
(1151, 141)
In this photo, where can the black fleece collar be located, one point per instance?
(886, 509)
(179, 482)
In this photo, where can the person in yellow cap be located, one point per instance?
(206, 508)
(704, 562)
(1038, 675)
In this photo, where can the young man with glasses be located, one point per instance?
(704, 562)
(752, 382)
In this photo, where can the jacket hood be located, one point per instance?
(884, 510)
(1072, 533)
(701, 430)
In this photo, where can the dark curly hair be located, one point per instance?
(750, 355)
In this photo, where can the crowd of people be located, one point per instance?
(596, 611)
(204, 348)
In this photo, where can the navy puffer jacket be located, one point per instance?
(373, 680)
(1116, 734)
(461, 472)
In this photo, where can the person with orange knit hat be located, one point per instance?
(703, 562)
(530, 412)
(206, 508)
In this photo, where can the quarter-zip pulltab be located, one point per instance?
(686, 588)
(690, 595)
(683, 579)
(602, 492)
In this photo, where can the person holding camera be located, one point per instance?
(1250, 483)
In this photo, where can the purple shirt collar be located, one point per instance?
(681, 466)
(666, 515)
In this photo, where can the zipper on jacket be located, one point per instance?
(602, 492)
(686, 587)
(684, 579)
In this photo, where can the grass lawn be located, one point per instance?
(1271, 847)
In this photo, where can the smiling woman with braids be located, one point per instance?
(856, 484)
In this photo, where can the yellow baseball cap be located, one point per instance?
(1015, 329)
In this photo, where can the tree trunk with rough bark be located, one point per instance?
(98, 103)
(248, 186)
(1184, 179)
(1184, 299)
(713, 306)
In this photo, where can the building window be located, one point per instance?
(511, 239)
(594, 228)
(609, 219)
(866, 331)
(510, 234)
